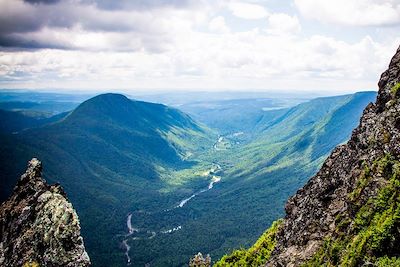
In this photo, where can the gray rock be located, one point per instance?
(39, 226)
(311, 212)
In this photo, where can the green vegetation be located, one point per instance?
(373, 236)
(247, 114)
(395, 89)
(15, 121)
(361, 182)
(114, 157)
(256, 255)
(388, 262)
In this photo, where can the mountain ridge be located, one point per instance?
(348, 214)
(91, 153)
(107, 154)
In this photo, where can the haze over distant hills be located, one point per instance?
(235, 133)
(180, 179)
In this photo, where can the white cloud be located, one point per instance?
(186, 47)
(248, 11)
(201, 60)
(218, 25)
(280, 23)
(352, 12)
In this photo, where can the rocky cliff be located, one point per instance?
(38, 226)
(348, 214)
(345, 190)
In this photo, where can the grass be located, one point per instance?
(372, 237)
(256, 255)
(109, 169)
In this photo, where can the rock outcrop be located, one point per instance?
(348, 214)
(39, 226)
(199, 261)
(331, 207)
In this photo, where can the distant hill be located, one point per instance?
(13, 121)
(115, 156)
(348, 213)
(108, 154)
(39, 105)
(238, 115)
(259, 176)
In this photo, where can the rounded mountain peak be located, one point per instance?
(117, 109)
(103, 106)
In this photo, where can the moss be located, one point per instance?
(343, 224)
(31, 264)
(395, 89)
(386, 137)
(361, 182)
(388, 262)
(257, 255)
(328, 255)
(373, 235)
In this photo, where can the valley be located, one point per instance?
(184, 133)
(133, 232)
(154, 186)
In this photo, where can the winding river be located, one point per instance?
(132, 230)
(214, 180)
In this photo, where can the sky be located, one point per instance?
(190, 45)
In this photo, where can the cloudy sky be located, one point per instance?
(319, 45)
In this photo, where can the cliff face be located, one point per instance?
(348, 214)
(38, 226)
(331, 207)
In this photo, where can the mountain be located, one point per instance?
(258, 176)
(40, 104)
(306, 132)
(152, 186)
(348, 214)
(13, 121)
(238, 115)
(112, 155)
(39, 226)
(114, 133)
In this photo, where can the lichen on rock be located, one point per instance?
(39, 226)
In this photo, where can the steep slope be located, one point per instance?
(117, 157)
(114, 133)
(38, 226)
(151, 128)
(305, 133)
(257, 179)
(114, 155)
(348, 214)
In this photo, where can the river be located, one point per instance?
(214, 180)
(132, 230)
